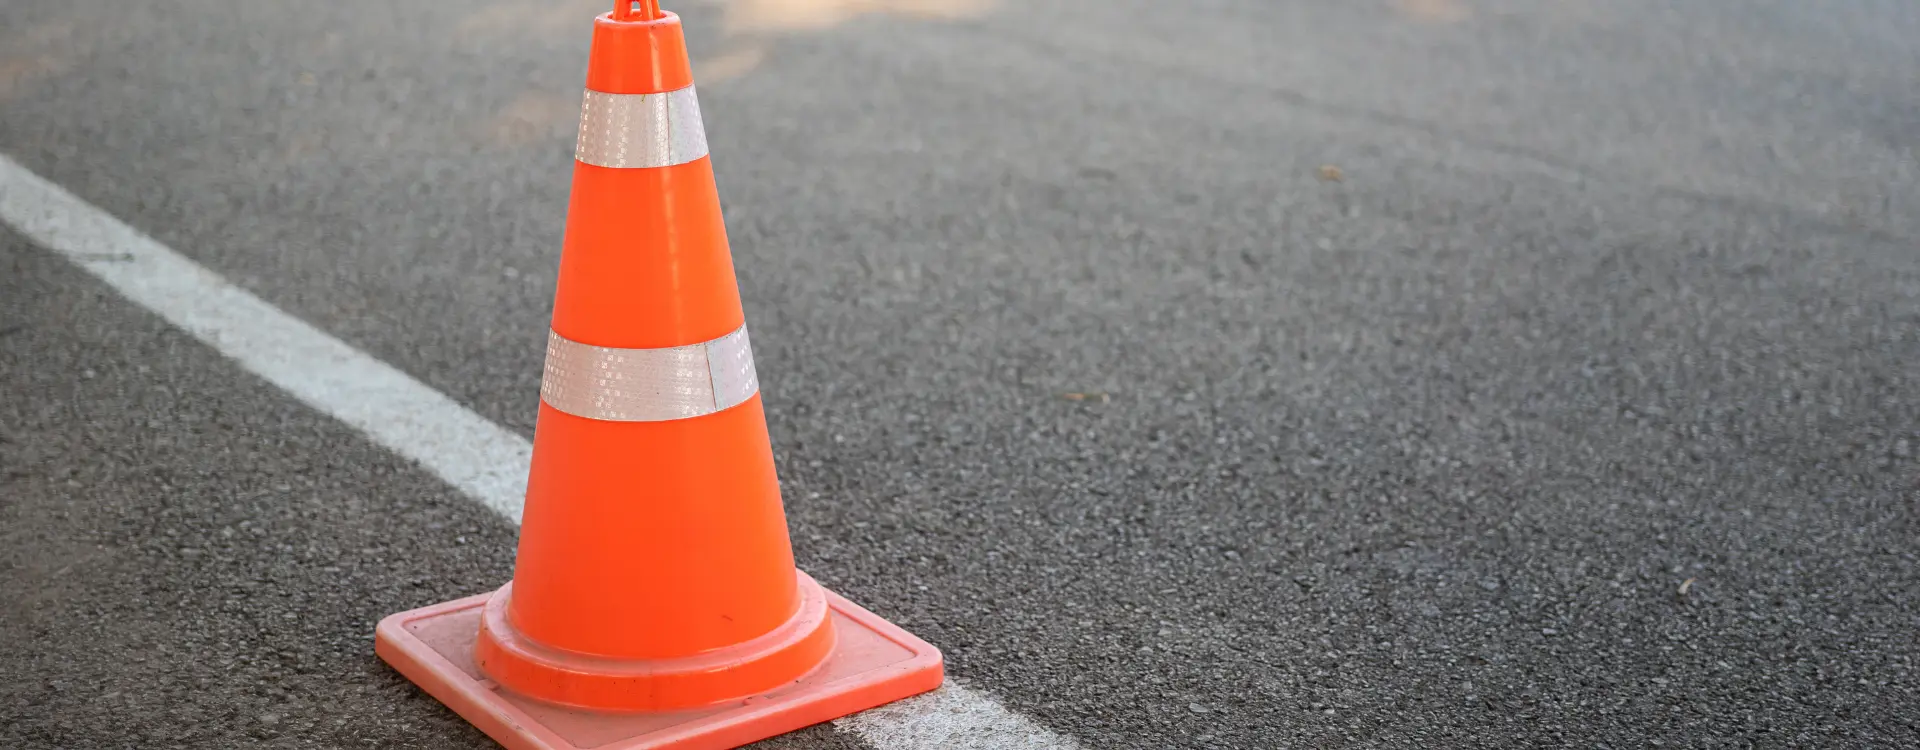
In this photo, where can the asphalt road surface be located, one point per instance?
(1243, 374)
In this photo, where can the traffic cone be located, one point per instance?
(655, 602)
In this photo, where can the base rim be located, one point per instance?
(787, 653)
(873, 663)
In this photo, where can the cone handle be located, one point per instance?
(636, 10)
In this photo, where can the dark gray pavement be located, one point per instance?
(1609, 299)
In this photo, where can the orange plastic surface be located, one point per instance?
(872, 663)
(645, 262)
(652, 539)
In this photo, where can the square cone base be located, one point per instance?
(873, 663)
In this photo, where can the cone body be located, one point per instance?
(651, 540)
(655, 605)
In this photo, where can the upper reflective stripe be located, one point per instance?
(648, 385)
(640, 130)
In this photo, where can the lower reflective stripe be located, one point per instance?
(640, 130)
(648, 385)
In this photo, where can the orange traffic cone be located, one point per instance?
(655, 602)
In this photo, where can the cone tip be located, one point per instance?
(636, 10)
(637, 53)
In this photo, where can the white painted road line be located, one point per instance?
(955, 717)
(482, 459)
(401, 413)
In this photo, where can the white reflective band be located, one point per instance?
(648, 385)
(640, 130)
